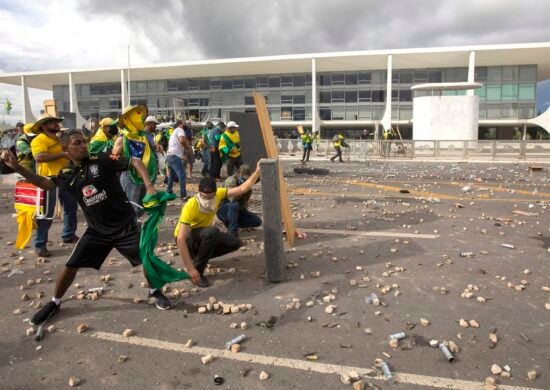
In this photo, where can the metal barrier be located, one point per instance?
(362, 150)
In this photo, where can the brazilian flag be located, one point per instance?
(158, 272)
(7, 106)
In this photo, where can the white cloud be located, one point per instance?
(65, 34)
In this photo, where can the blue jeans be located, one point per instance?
(205, 162)
(134, 192)
(177, 168)
(233, 217)
(69, 221)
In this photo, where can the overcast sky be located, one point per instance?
(64, 34)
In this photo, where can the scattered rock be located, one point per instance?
(206, 359)
(463, 323)
(74, 381)
(81, 328)
(424, 322)
(496, 369)
(128, 332)
(235, 348)
(531, 375)
(122, 359)
(474, 324)
(264, 376)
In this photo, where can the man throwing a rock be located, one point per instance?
(92, 180)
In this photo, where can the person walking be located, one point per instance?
(176, 159)
(307, 142)
(337, 142)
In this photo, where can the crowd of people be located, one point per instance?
(112, 176)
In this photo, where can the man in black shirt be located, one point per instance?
(92, 181)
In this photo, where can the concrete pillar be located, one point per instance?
(314, 110)
(386, 119)
(123, 89)
(72, 94)
(272, 222)
(471, 72)
(27, 112)
(73, 103)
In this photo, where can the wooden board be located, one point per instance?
(272, 152)
(301, 130)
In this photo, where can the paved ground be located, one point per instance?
(361, 225)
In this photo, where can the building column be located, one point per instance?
(471, 72)
(386, 119)
(315, 122)
(123, 89)
(73, 103)
(27, 112)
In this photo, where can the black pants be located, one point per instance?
(209, 242)
(305, 156)
(215, 164)
(232, 164)
(338, 154)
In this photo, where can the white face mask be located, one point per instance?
(206, 206)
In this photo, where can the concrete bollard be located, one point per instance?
(272, 221)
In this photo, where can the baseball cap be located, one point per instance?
(232, 124)
(151, 119)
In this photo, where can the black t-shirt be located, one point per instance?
(96, 187)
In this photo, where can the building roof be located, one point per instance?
(439, 57)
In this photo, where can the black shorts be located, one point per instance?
(93, 248)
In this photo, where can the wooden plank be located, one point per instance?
(272, 152)
(301, 130)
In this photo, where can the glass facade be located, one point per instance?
(508, 92)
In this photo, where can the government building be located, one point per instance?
(466, 92)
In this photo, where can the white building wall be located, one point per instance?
(445, 117)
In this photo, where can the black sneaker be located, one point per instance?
(161, 302)
(204, 282)
(42, 251)
(71, 240)
(44, 314)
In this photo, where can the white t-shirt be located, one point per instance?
(174, 145)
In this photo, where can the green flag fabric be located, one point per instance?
(158, 272)
(7, 106)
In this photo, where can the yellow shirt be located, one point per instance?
(191, 215)
(44, 144)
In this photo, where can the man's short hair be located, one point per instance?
(65, 136)
(178, 123)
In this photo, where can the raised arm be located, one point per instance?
(117, 148)
(235, 192)
(40, 181)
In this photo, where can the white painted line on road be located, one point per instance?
(370, 234)
(323, 368)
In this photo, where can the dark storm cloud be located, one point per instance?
(179, 30)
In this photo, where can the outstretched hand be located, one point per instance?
(10, 159)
